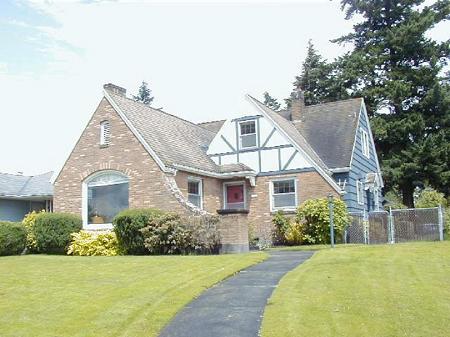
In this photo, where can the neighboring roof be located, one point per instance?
(175, 141)
(213, 126)
(330, 130)
(12, 185)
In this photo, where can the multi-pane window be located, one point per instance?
(247, 134)
(360, 192)
(284, 194)
(365, 143)
(105, 133)
(195, 192)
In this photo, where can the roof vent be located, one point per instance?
(115, 89)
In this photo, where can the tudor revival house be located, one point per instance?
(131, 155)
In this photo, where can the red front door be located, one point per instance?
(235, 196)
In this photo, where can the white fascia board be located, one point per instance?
(136, 133)
(205, 173)
(329, 179)
(340, 170)
(363, 106)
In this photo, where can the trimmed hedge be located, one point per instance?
(13, 238)
(93, 244)
(127, 226)
(53, 231)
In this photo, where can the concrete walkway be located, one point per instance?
(234, 307)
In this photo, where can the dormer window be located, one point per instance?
(105, 132)
(247, 134)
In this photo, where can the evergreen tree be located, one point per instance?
(318, 80)
(271, 102)
(144, 95)
(396, 68)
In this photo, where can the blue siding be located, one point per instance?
(360, 166)
(13, 210)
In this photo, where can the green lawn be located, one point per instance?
(389, 290)
(104, 296)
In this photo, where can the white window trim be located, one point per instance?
(84, 202)
(241, 135)
(365, 143)
(231, 183)
(359, 196)
(376, 197)
(271, 194)
(200, 189)
(105, 134)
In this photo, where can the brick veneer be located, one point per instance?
(125, 154)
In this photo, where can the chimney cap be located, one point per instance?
(115, 89)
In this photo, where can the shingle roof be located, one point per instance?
(13, 185)
(330, 130)
(213, 126)
(175, 140)
(289, 128)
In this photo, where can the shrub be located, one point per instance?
(171, 234)
(294, 233)
(314, 215)
(127, 226)
(430, 198)
(53, 231)
(28, 221)
(282, 225)
(13, 238)
(93, 244)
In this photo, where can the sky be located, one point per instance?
(200, 59)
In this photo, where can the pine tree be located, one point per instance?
(396, 68)
(318, 80)
(271, 102)
(144, 95)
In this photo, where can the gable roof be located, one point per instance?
(333, 124)
(12, 185)
(213, 126)
(289, 129)
(176, 142)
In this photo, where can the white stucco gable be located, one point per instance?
(272, 151)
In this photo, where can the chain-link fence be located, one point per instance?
(399, 225)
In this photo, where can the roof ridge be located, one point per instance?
(219, 120)
(337, 101)
(161, 111)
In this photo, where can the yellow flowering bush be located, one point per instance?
(91, 244)
(28, 221)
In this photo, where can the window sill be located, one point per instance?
(233, 211)
(284, 210)
(94, 227)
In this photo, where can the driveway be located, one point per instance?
(234, 307)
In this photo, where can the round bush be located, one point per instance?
(13, 238)
(53, 231)
(127, 226)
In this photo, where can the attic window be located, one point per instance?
(365, 143)
(247, 134)
(105, 133)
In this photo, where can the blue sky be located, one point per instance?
(200, 60)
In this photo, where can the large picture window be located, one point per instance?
(247, 134)
(107, 195)
(284, 194)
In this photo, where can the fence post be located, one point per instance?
(441, 223)
(330, 206)
(391, 227)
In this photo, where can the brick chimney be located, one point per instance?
(297, 105)
(115, 89)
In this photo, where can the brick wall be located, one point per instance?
(125, 154)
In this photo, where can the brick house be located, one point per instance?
(131, 155)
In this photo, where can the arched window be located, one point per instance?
(105, 195)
